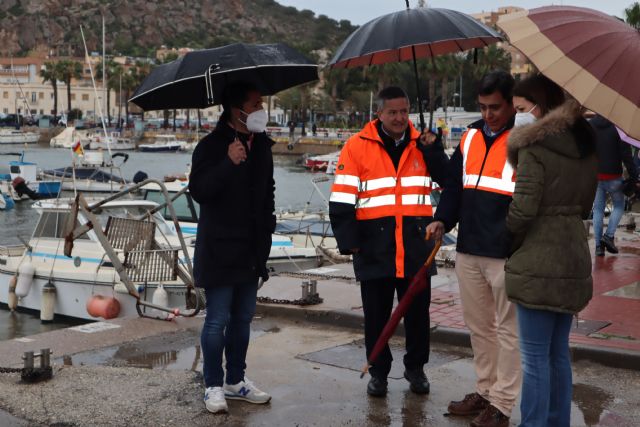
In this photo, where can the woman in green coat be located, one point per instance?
(548, 274)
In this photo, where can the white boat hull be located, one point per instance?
(123, 146)
(72, 296)
(19, 138)
(90, 186)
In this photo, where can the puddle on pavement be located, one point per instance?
(631, 291)
(594, 404)
(168, 351)
(629, 250)
(350, 356)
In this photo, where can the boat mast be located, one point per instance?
(95, 93)
(24, 98)
(104, 72)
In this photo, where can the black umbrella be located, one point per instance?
(197, 79)
(410, 34)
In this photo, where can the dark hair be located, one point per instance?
(497, 81)
(234, 96)
(391, 92)
(541, 91)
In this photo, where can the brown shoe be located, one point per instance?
(472, 404)
(490, 417)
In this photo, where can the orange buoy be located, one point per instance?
(102, 306)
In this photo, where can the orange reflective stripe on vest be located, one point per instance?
(493, 174)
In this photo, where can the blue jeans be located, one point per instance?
(546, 367)
(614, 188)
(227, 327)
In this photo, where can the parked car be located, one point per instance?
(11, 120)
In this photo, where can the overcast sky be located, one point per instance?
(361, 11)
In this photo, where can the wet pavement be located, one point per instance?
(312, 372)
(607, 330)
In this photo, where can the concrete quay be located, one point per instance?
(149, 374)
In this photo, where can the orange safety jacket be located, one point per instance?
(479, 193)
(486, 171)
(384, 202)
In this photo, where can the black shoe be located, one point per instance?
(377, 387)
(418, 382)
(599, 251)
(608, 244)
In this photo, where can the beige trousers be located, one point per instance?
(491, 318)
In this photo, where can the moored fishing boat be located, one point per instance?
(124, 257)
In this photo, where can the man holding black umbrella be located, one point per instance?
(232, 180)
(380, 207)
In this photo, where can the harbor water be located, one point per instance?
(294, 190)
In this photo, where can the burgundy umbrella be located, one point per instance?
(423, 32)
(417, 285)
(593, 56)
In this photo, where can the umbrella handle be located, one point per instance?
(427, 263)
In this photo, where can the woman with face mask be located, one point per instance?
(548, 274)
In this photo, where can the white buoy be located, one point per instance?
(25, 279)
(160, 297)
(12, 300)
(47, 310)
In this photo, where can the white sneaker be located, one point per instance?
(247, 391)
(214, 400)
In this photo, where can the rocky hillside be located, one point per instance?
(137, 27)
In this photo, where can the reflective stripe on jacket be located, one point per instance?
(479, 193)
(380, 210)
(486, 171)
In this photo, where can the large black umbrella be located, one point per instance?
(197, 79)
(410, 34)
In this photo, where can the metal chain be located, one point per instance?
(313, 276)
(310, 300)
(10, 370)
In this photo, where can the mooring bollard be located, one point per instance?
(30, 374)
(305, 289)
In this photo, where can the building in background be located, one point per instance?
(520, 65)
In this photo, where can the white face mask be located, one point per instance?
(256, 121)
(527, 118)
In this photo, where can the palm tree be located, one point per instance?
(491, 58)
(50, 74)
(113, 71)
(69, 70)
(138, 73)
(632, 14)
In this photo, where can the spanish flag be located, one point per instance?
(77, 149)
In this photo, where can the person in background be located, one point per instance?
(232, 180)
(612, 154)
(380, 206)
(548, 274)
(292, 129)
(477, 198)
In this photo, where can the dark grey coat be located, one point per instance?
(236, 210)
(550, 264)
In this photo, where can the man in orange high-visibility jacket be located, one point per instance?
(380, 207)
(477, 197)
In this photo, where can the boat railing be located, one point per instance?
(150, 265)
(12, 250)
(144, 260)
